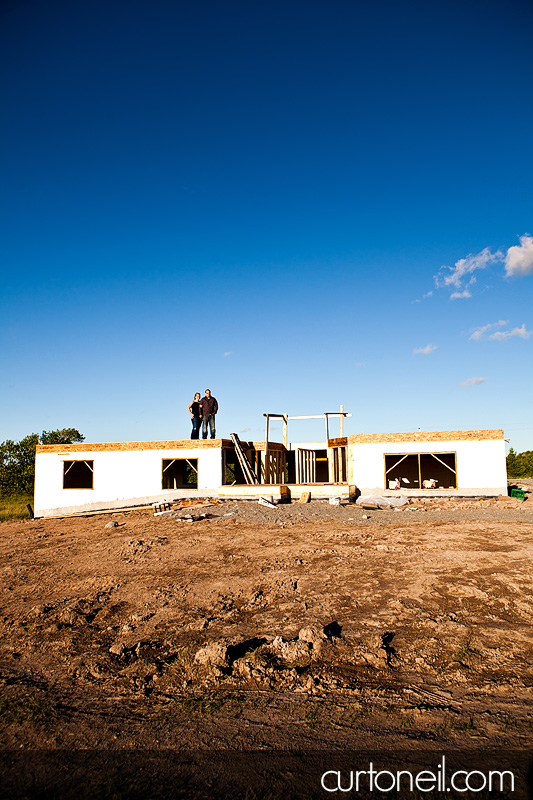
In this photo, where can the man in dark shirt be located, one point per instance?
(208, 409)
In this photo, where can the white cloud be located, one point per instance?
(519, 258)
(473, 381)
(228, 353)
(478, 333)
(455, 277)
(424, 297)
(518, 263)
(425, 351)
(500, 336)
(245, 430)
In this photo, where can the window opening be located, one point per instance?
(78, 474)
(322, 469)
(290, 467)
(421, 471)
(439, 470)
(180, 473)
(232, 469)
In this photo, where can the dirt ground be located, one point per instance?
(235, 627)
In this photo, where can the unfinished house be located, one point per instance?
(460, 463)
(86, 477)
(77, 478)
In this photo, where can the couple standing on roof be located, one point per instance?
(203, 411)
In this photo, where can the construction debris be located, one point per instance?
(162, 507)
(192, 517)
(305, 497)
(376, 502)
(268, 503)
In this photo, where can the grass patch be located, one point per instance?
(181, 665)
(202, 705)
(31, 709)
(465, 654)
(206, 704)
(310, 718)
(14, 507)
(265, 658)
(466, 726)
(363, 711)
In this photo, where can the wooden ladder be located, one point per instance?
(246, 467)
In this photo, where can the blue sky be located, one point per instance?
(280, 201)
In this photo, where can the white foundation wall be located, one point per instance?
(481, 466)
(128, 477)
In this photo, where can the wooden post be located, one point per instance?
(327, 427)
(285, 425)
(341, 433)
(266, 451)
(332, 452)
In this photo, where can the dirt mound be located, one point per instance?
(251, 627)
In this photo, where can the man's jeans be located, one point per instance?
(211, 420)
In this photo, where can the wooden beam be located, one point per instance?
(398, 462)
(319, 416)
(443, 464)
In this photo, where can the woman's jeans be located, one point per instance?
(196, 422)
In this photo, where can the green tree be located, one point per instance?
(520, 465)
(512, 464)
(527, 460)
(61, 436)
(17, 459)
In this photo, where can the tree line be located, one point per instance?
(17, 459)
(520, 465)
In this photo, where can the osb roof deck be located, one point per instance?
(177, 444)
(419, 436)
(209, 444)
